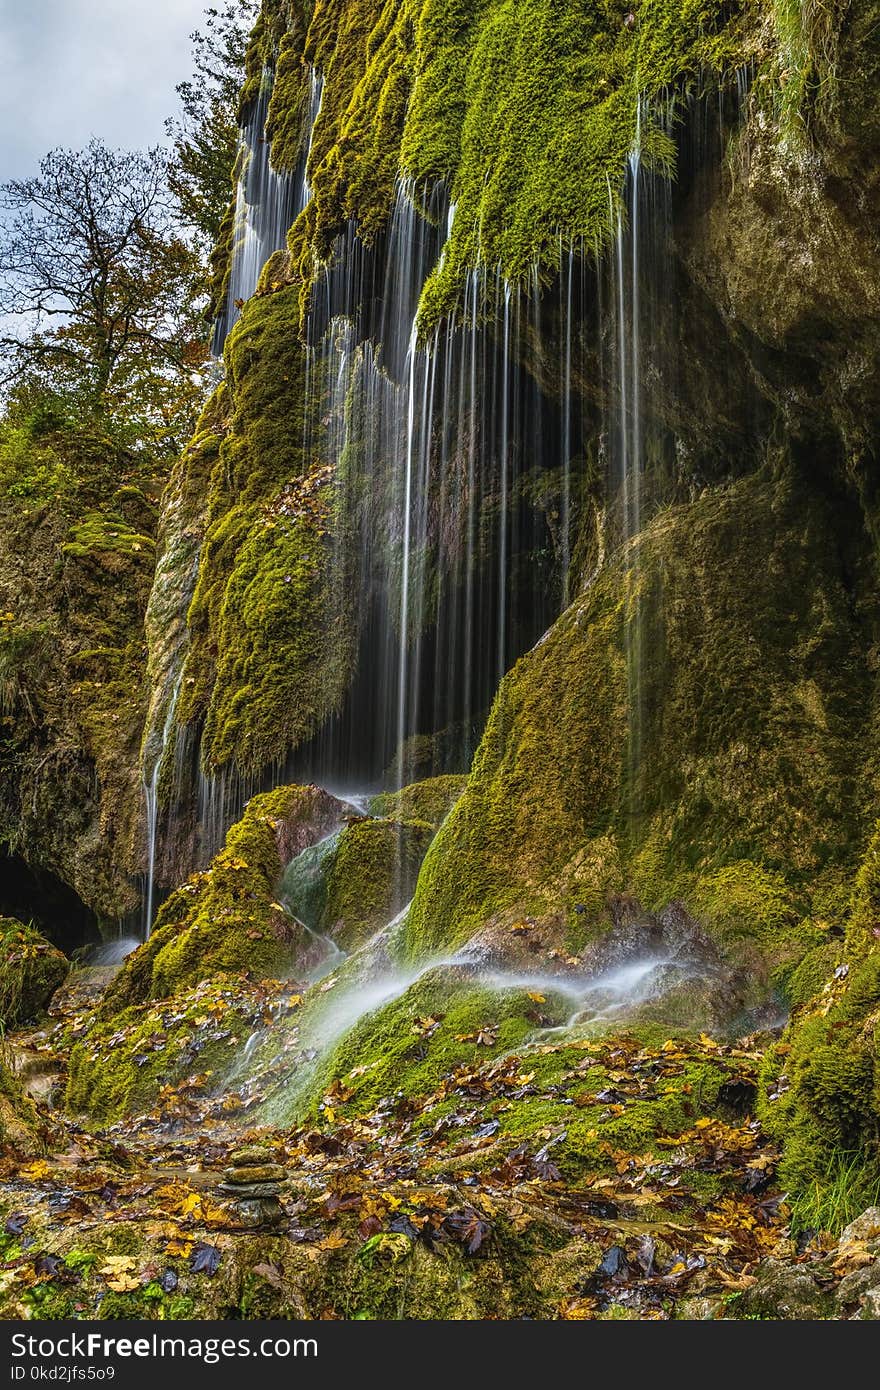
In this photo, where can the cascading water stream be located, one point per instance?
(151, 803)
(454, 463)
(438, 448)
(268, 201)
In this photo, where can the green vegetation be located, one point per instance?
(558, 811)
(430, 800)
(162, 1052)
(31, 969)
(819, 1084)
(372, 876)
(270, 633)
(228, 918)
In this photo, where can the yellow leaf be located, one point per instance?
(179, 1245)
(332, 1242)
(38, 1169)
(123, 1283)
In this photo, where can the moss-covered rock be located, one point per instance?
(21, 1126)
(31, 969)
(372, 876)
(430, 800)
(689, 728)
(163, 1051)
(444, 1020)
(228, 917)
(819, 1091)
(77, 515)
(270, 635)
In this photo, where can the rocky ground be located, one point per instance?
(615, 1175)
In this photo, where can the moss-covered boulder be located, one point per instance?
(430, 800)
(163, 1051)
(31, 969)
(372, 876)
(447, 1018)
(691, 728)
(228, 918)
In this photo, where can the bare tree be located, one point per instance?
(99, 290)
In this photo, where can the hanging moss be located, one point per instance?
(527, 112)
(285, 122)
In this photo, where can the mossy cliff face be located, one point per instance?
(788, 249)
(228, 918)
(696, 725)
(76, 564)
(270, 641)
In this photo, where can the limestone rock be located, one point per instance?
(865, 1227)
(784, 1292)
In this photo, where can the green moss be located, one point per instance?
(372, 876)
(546, 103)
(31, 969)
(808, 36)
(429, 801)
(102, 534)
(227, 918)
(397, 1048)
(121, 1066)
(285, 123)
(813, 973)
(865, 915)
(749, 793)
(270, 639)
(819, 1091)
(76, 563)
(526, 112)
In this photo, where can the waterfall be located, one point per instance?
(151, 802)
(457, 557)
(641, 276)
(267, 202)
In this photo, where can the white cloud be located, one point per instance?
(70, 69)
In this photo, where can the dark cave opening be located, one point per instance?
(38, 896)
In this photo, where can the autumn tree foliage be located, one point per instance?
(101, 293)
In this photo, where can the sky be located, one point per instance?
(70, 69)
